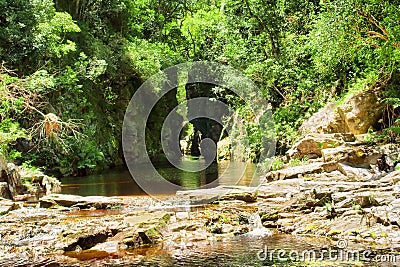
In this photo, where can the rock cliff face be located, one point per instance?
(358, 112)
(12, 186)
(10, 180)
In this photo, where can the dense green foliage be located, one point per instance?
(83, 60)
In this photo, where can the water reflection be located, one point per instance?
(239, 251)
(110, 183)
(118, 182)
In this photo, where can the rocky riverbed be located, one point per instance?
(348, 190)
(342, 189)
(67, 229)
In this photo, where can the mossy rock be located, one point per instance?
(270, 217)
(147, 233)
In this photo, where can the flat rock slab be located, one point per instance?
(355, 174)
(300, 171)
(204, 196)
(110, 247)
(388, 215)
(393, 178)
(97, 202)
(143, 218)
(7, 205)
(361, 157)
(292, 187)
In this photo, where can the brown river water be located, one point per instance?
(119, 182)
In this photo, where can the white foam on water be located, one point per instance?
(258, 229)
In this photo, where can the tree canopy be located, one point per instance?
(82, 60)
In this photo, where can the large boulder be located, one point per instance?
(320, 121)
(312, 144)
(358, 112)
(17, 183)
(5, 191)
(9, 176)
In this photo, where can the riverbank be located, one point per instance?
(348, 191)
(343, 194)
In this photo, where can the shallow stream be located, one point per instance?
(245, 250)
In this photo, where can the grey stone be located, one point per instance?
(98, 202)
(359, 112)
(220, 193)
(312, 145)
(7, 205)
